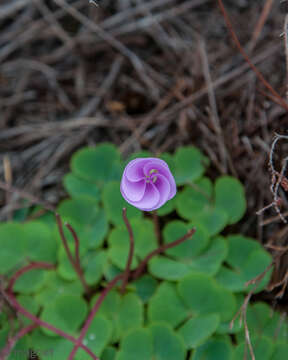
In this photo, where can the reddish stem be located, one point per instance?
(32, 317)
(75, 262)
(131, 251)
(93, 312)
(11, 342)
(161, 249)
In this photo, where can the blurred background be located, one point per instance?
(152, 75)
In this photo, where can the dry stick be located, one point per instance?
(93, 312)
(246, 57)
(131, 251)
(11, 342)
(76, 265)
(259, 26)
(25, 195)
(213, 106)
(286, 50)
(143, 264)
(110, 39)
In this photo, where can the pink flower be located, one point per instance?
(147, 183)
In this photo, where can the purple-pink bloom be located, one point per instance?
(147, 183)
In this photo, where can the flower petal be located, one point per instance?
(134, 191)
(155, 164)
(134, 170)
(150, 199)
(164, 188)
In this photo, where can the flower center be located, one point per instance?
(151, 177)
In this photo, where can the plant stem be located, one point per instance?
(162, 248)
(93, 312)
(34, 318)
(75, 262)
(157, 227)
(131, 251)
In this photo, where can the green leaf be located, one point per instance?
(55, 286)
(189, 164)
(194, 198)
(97, 337)
(49, 347)
(248, 259)
(109, 353)
(119, 245)
(93, 264)
(167, 208)
(262, 320)
(280, 351)
(114, 203)
(125, 312)
(197, 330)
(213, 350)
(99, 165)
(12, 244)
(230, 196)
(145, 287)
(168, 345)
(230, 279)
(40, 244)
(130, 313)
(166, 305)
(87, 219)
(167, 269)
(262, 347)
(210, 261)
(31, 281)
(65, 268)
(213, 220)
(189, 248)
(30, 304)
(139, 154)
(136, 342)
(77, 187)
(67, 312)
(204, 296)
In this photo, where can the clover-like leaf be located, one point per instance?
(97, 337)
(167, 269)
(145, 287)
(194, 199)
(166, 305)
(213, 349)
(280, 351)
(78, 187)
(55, 286)
(67, 312)
(189, 164)
(168, 345)
(31, 281)
(230, 196)
(247, 259)
(109, 353)
(203, 295)
(93, 264)
(40, 245)
(114, 202)
(145, 242)
(191, 247)
(87, 219)
(198, 329)
(136, 342)
(126, 312)
(50, 346)
(11, 238)
(98, 165)
(262, 347)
